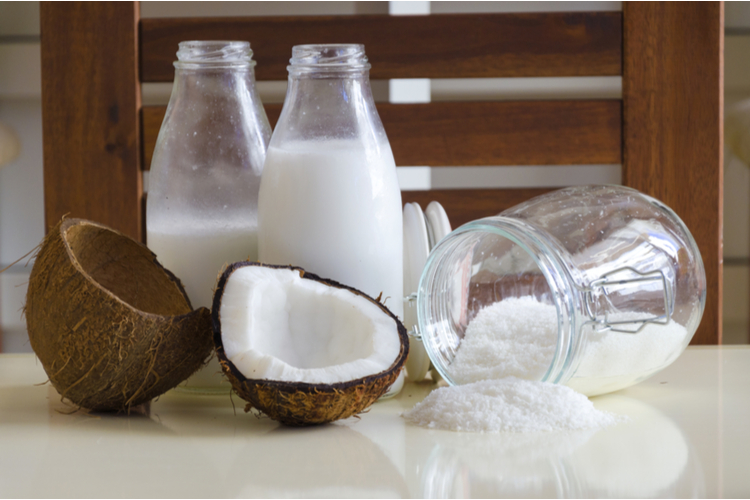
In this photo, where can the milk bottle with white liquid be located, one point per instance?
(329, 199)
(205, 175)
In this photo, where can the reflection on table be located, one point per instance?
(686, 436)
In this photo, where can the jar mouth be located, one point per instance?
(214, 53)
(439, 329)
(326, 58)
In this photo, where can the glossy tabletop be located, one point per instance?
(688, 435)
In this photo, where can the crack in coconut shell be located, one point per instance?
(112, 328)
(302, 403)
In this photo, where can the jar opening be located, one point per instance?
(214, 53)
(323, 58)
(621, 272)
(504, 306)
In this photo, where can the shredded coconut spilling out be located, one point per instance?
(514, 337)
(506, 351)
(508, 405)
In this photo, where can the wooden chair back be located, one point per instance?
(666, 131)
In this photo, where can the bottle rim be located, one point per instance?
(328, 58)
(214, 54)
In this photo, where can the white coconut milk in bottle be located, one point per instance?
(329, 199)
(205, 175)
(179, 251)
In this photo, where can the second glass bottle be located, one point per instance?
(329, 197)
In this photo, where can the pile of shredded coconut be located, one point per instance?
(508, 405)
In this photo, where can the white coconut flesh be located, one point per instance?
(276, 325)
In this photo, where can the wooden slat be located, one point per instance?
(90, 102)
(465, 205)
(504, 133)
(482, 133)
(436, 46)
(673, 115)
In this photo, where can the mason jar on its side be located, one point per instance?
(595, 287)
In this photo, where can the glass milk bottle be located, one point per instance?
(203, 194)
(329, 197)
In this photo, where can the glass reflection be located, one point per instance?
(647, 456)
(330, 461)
(529, 465)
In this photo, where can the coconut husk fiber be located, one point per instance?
(299, 403)
(112, 328)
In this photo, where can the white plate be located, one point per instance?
(416, 249)
(437, 220)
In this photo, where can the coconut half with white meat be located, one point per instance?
(303, 349)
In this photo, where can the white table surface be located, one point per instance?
(688, 435)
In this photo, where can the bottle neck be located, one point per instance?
(214, 55)
(328, 61)
(329, 98)
(210, 69)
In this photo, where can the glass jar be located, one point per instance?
(595, 287)
(205, 174)
(329, 195)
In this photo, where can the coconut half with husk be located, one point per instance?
(112, 328)
(303, 349)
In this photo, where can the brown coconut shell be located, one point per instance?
(299, 403)
(112, 328)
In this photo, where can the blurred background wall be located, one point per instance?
(21, 185)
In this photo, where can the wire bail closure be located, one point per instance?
(606, 280)
(410, 300)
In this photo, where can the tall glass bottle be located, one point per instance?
(205, 174)
(329, 197)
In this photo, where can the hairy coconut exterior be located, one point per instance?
(111, 327)
(298, 403)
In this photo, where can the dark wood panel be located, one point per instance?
(504, 133)
(482, 133)
(90, 103)
(673, 115)
(436, 46)
(465, 205)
